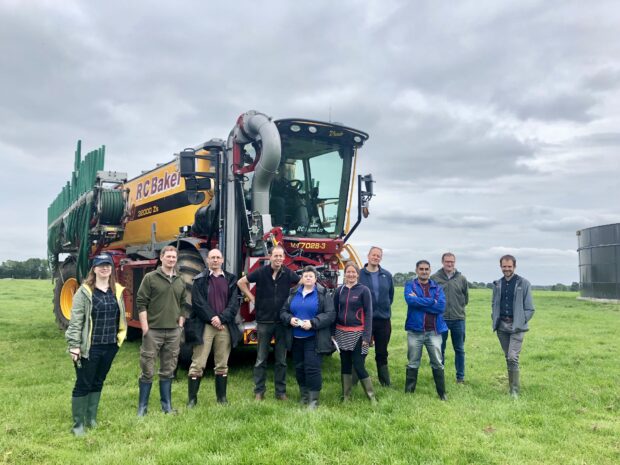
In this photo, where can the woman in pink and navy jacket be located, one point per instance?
(353, 330)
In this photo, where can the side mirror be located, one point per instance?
(187, 162)
(366, 194)
(196, 181)
(368, 182)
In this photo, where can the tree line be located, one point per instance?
(37, 268)
(33, 268)
(401, 278)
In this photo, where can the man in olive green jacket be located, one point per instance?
(162, 305)
(454, 285)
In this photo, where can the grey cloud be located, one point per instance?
(577, 107)
(567, 225)
(570, 224)
(607, 139)
(459, 220)
(444, 146)
(607, 78)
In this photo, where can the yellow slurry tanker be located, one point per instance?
(288, 181)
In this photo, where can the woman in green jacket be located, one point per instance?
(97, 329)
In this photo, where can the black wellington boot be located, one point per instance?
(304, 395)
(440, 383)
(411, 380)
(143, 400)
(193, 385)
(220, 388)
(165, 395)
(383, 372)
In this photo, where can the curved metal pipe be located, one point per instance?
(254, 126)
(251, 126)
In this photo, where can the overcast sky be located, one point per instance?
(494, 126)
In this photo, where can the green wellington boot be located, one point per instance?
(91, 409)
(370, 393)
(347, 384)
(78, 411)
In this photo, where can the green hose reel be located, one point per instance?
(87, 211)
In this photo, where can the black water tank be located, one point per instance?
(599, 261)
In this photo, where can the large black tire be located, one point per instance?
(133, 334)
(189, 264)
(66, 285)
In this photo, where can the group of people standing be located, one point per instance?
(296, 313)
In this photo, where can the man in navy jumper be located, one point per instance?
(426, 303)
(379, 281)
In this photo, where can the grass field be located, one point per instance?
(568, 412)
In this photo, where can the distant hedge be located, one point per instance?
(33, 268)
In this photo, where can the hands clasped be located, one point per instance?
(299, 323)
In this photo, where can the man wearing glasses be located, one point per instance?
(454, 285)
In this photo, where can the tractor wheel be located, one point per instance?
(66, 286)
(189, 264)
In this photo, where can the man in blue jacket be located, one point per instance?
(512, 308)
(379, 281)
(426, 303)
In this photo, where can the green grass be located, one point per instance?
(568, 412)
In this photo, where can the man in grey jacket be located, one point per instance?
(454, 285)
(512, 308)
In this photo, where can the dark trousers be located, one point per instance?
(265, 332)
(456, 328)
(94, 369)
(307, 363)
(381, 332)
(350, 359)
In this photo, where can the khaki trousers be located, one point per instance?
(162, 343)
(220, 342)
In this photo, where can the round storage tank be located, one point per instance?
(599, 261)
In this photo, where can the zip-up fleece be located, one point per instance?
(164, 298)
(381, 308)
(522, 308)
(354, 309)
(419, 306)
(457, 293)
(80, 330)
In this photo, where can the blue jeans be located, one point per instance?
(416, 340)
(456, 328)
